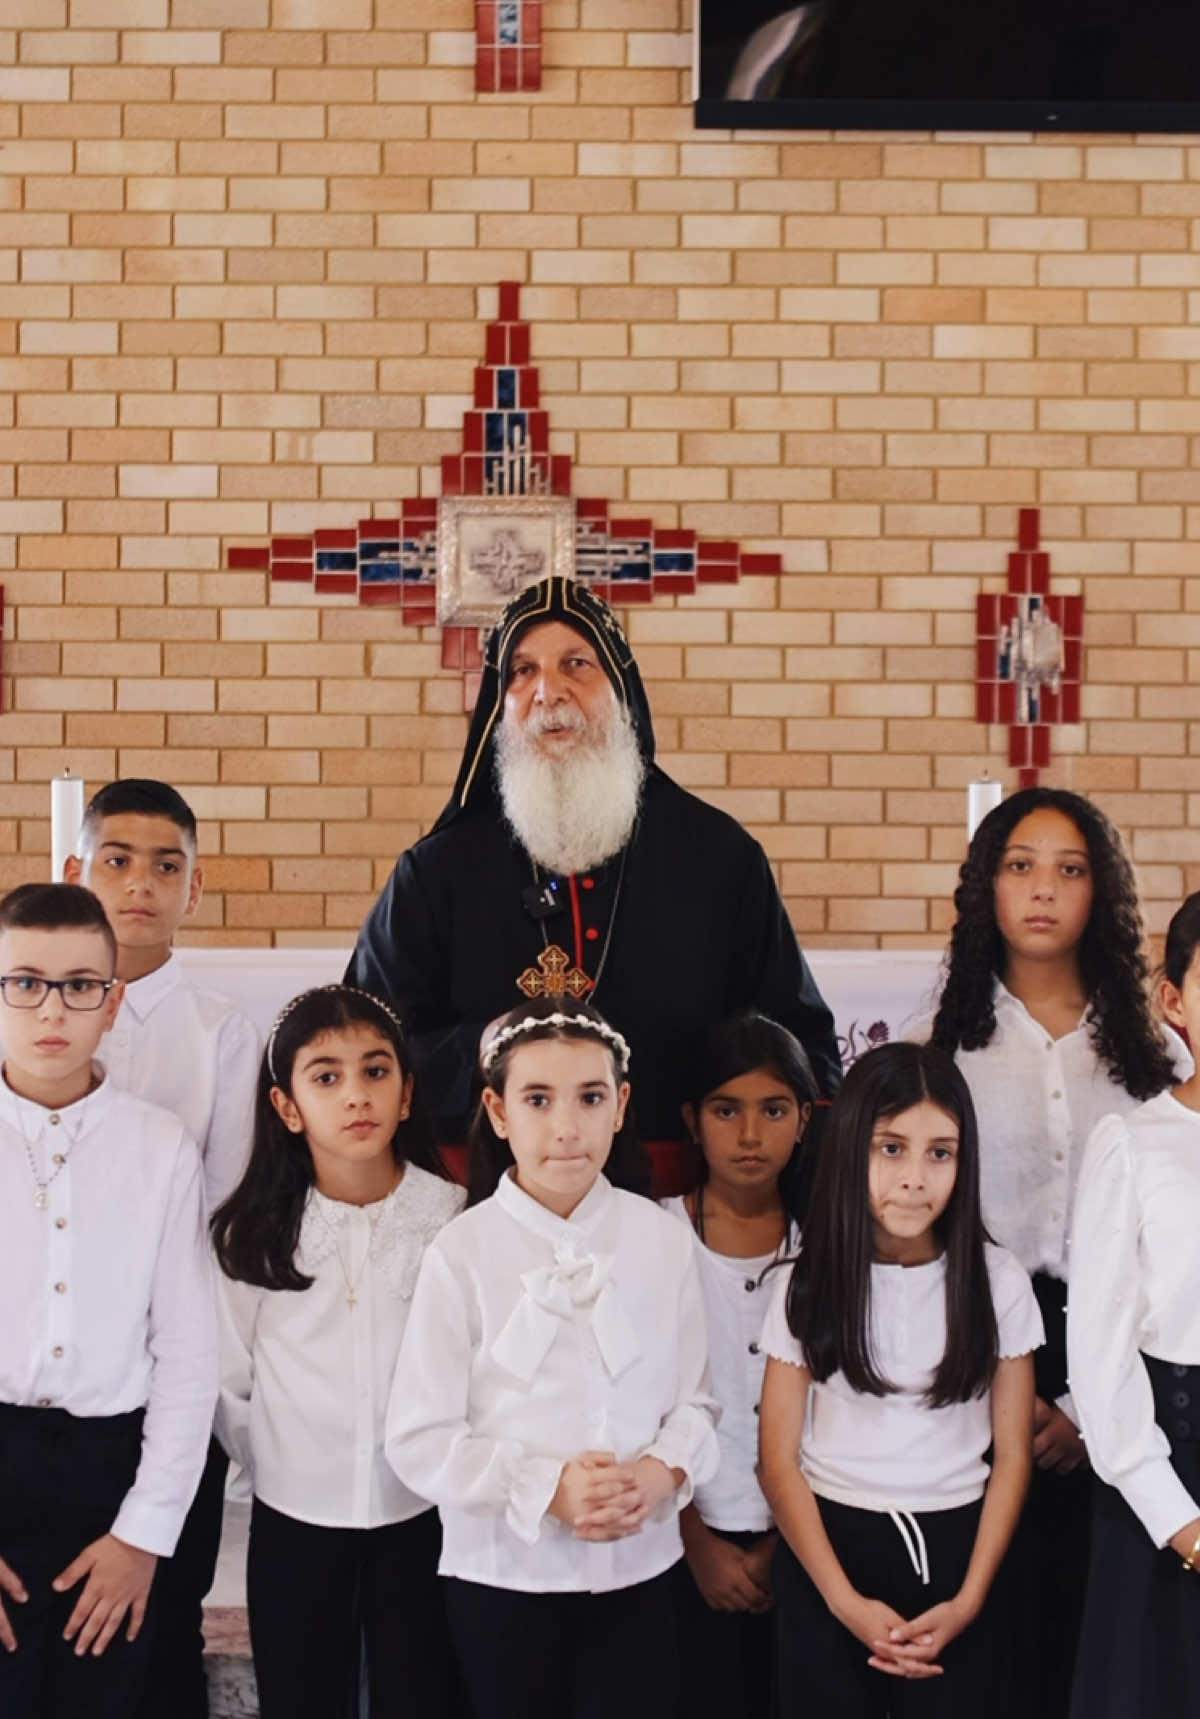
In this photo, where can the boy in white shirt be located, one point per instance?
(183, 1046)
(108, 1365)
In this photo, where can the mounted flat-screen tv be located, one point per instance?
(1023, 65)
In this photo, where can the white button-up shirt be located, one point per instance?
(534, 1338)
(180, 1045)
(1037, 1099)
(737, 1293)
(107, 1290)
(1135, 1288)
(305, 1376)
(895, 1452)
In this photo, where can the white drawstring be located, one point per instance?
(918, 1555)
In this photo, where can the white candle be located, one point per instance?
(982, 797)
(66, 817)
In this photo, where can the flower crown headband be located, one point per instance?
(316, 991)
(581, 1023)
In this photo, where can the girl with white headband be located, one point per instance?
(319, 1248)
(552, 1392)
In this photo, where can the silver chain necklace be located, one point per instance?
(332, 1231)
(41, 1198)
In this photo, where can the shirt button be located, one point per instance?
(53, 1120)
(60, 1223)
(1049, 1044)
(60, 1288)
(749, 1286)
(589, 882)
(754, 1348)
(1058, 1157)
(1056, 1095)
(58, 1159)
(591, 934)
(58, 1351)
(756, 1409)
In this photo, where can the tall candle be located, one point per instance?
(66, 817)
(982, 797)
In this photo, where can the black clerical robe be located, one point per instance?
(690, 917)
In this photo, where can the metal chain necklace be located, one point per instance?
(332, 1231)
(41, 1198)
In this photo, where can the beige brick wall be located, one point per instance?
(246, 251)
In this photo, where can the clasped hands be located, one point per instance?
(903, 1647)
(599, 1498)
(117, 1585)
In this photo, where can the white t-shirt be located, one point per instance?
(305, 1377)
(1135, 1288)
(895, 1452)
(532, 1339)
(737, 1293)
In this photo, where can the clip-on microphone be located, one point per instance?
(540, 900)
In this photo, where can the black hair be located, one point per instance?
(1183, 939)
(257, 1229)
(145, 798)
(56, 907)
(489, 1157)
(829, 1297)
(738, 1045)
(1112, 962)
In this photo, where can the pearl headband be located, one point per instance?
(581, 1023)
(317, 991)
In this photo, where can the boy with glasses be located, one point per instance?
(108, 1369)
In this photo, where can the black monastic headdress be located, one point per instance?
(555, 599)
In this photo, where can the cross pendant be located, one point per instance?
(41, 1199)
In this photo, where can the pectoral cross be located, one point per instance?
(557, 977)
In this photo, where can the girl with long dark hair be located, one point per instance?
(319, 1246)
(1133, 1339)
(552, 1391)
(1045, 1008)
(751, 1096)
(899, 1351)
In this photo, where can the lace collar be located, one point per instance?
(402, 1226)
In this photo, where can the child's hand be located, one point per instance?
(653, 1483)
(923, 1639)
(12, 1585)
(1056, 1441)
(759, 1559)
(873, 1621)
(724, 1575)
(594, 1494)
(118, 1582)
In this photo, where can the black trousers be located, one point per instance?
(726, 1659)
(318, 1596)
(176, 1686)
(62, 1480)
(823, 1669)
(1040, 1591)
(1139, 1648)
(566, 1656)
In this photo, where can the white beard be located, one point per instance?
(570, 813)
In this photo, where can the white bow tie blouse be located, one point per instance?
(532, 1339)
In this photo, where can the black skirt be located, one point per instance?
(1139, 1650)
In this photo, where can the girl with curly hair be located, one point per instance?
(1046, 1011)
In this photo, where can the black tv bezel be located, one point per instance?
(789, 114)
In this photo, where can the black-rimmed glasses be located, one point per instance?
(28, 991)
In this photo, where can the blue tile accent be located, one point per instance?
(508, 17)
(674, 561)
(337, 561)
(379, 573)
(506, 388)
